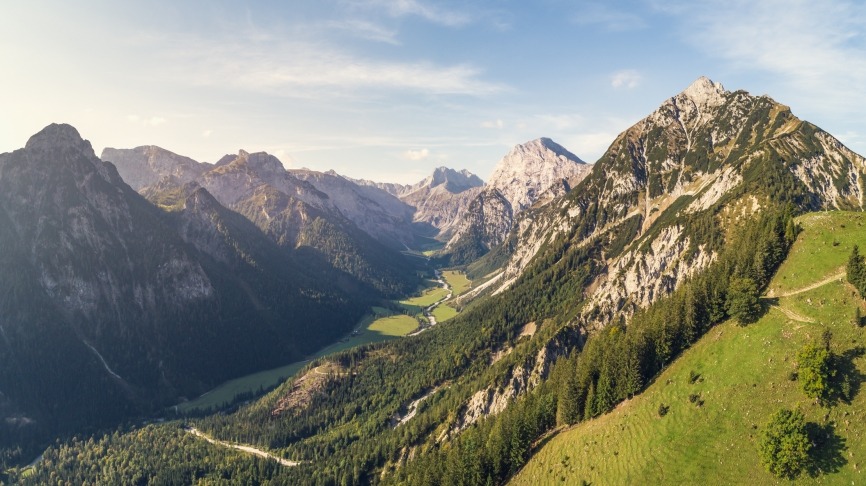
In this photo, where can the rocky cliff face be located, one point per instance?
(374, 210)
(704, 152)
(533, 168)
(440, 200)
(343, 224)
(146, 165)
(533, 173)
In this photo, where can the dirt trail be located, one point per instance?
(839, 275)
(794, 316)
(245, 448)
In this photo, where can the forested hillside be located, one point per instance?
(680, 227)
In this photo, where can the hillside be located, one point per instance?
(744, 376)
(689, 209)
(114, 308)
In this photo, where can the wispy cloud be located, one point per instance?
(314, 70)
(415, 155)
(426, 10)
(813, 47)
(627, 78)
(498, 124)
(365, 30)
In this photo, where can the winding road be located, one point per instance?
(244, 448)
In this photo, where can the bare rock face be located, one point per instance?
(531, 169)
(374, 210)
(441, 199)
(146, 165)
(531, 174)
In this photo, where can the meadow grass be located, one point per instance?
(444, 312)
(743, 377)
(821, 251)
(458, 281)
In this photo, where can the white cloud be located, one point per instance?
(627, 78)
(416, 154)
(498, 124)
(206, 133)
(814, 48)
(312, 70)
(425, 10)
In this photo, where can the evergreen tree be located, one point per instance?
(856, 271)
(743, 300)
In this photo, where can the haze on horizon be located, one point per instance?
(388, 90)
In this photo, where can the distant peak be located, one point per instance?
(548, 144)
(704, 91)
(453, 180)
(58, 135)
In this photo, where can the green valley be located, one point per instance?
(381, 324)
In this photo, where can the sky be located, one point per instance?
(390, 89)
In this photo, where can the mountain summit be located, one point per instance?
(531, 168)
(531, 173)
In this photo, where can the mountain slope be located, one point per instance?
(373, 210)
(134, 305)
(743, 377)
(532, 173)
(440, 200)
(146, 165)
(703, 159)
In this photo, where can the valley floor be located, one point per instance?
(380, 325)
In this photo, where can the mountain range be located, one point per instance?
(588, 280)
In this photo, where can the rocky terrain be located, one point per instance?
(533, 173)
(701, 151)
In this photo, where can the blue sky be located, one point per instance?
(390, 89)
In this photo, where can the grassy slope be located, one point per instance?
(744, 378)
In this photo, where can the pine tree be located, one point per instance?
(856, 270)
(743, 303)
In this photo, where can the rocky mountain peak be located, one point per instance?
(453, 181)
(59, 136)
(530, 169)
(260, 161)
(705, 92)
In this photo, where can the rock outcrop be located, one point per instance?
(531, 174)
